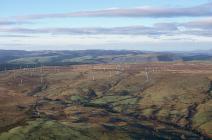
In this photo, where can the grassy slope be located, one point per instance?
(124, 103)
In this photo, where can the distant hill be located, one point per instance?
(11, 59)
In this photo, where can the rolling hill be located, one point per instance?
(16, 59)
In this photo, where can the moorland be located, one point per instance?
(114, 99)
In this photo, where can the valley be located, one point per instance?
(160, 100)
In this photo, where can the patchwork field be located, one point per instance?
(119, 101)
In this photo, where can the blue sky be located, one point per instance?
(23, 7)
(106, 24)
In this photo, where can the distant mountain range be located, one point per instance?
(16, 58)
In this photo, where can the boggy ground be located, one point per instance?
(126, 101)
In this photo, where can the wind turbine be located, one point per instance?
(110, 74)
(41, 79)
(21, 82)
(14, 74)
(93, 77)
(147, 76)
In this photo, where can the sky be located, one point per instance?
(152, 25)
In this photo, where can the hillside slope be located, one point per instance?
(108, 101)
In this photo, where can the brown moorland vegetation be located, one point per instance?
(104, 101)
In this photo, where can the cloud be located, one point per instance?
(153, 12)
(105, 42)
(11, 22)
(14, 36)
(200, 24)
(201, 27)
(130, 30)
(7, 23)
